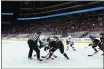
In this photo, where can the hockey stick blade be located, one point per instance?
(43, 56)
(90, 55)
(54, 56)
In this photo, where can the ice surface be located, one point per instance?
(14, 55)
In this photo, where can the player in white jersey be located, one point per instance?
(70, 43)
(43, 41)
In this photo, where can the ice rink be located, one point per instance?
(14, 55)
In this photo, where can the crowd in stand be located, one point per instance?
(58, 24)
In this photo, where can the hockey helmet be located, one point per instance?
(55, 37)
(91, 37)
(101, 33)
(39, 32)
(48, 39)
(69, 36)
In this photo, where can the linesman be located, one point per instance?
(32, 43)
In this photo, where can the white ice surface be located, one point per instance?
(14, 55)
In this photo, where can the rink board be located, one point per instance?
(75, 40)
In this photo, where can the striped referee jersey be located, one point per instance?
(34, 37)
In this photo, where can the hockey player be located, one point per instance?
(32, 43)
(95, 43)
(56, 44)
(70, 43)
(43, 42)
(102, 38)
(46, 43)
(102, 41)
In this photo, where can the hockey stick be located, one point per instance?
(48, 54)
(95, 52)
(45, 56)
(86, 47)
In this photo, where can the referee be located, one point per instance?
(32, 43)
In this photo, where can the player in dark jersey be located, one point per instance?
(102, 38)
(56, 44)
(95, 43)
(102, 41)
(47, 44)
